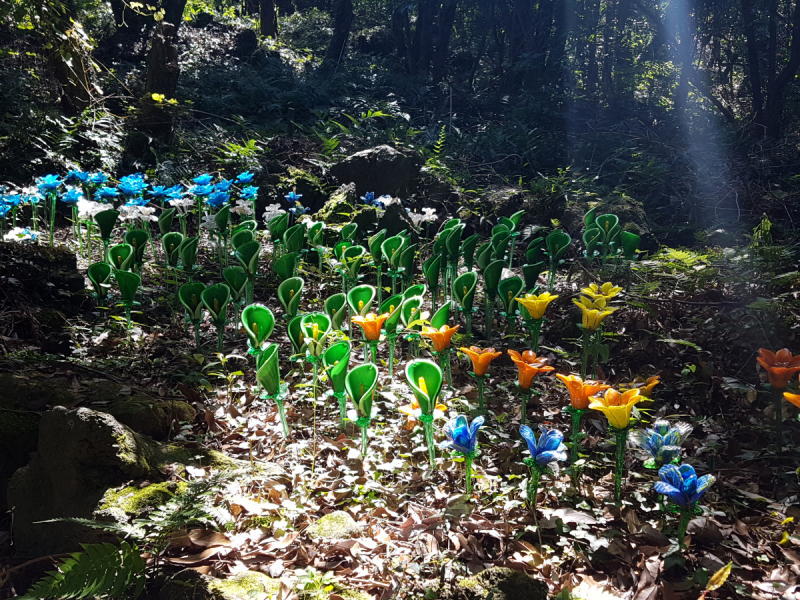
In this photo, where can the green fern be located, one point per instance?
(101, 570)
(438, 147)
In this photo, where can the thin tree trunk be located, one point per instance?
(608, 48)
(342, 22)
(752, 59)
(269, 19)
(447, 16)
(773, 113)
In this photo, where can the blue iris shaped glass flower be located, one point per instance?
(681, 484)
(132, 185)
(201, 190)
(249, 193)
(368, 197)
(158, 192)
(548, 449)
(98, 178)
(293, 197)
(662, 442)
(176, 192)
(13, 200)
(203, 179)
(4, 208)
(72, 196)
(217, 199)
(136, 201)
(105, 193)
(245, 177)
(48, 183)
(298, 210)
(224, 185)
(77, 176)
(462, 436)
(33, 198)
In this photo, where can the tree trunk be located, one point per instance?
(269, 19)
(163, 71)
(447, 16)
(753, 68)
(173, 12)
(564, 19)
(773, 113)
(608, 48)
(342, 22)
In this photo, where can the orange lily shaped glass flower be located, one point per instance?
(440, 337)
(481, 359)
(593, 311)
(413, 410)
(371, 324)
(793, 398)
(580, 390)
(781, 366)
(606, 291)
(529, 367)
(616, 407)
(645, 387)
(536, 305)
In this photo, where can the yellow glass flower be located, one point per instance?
(593, 312)
(607, 291)
(616, 407)
(536, 305)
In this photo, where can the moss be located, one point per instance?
(498, 583)
(338, 526)
(245, 586)
(134, 501)
(353, 595)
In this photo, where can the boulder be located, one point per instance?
(382, 170)
(497, 583)
(395, 219)
(344, 206)
(337, 525)
(154, 418)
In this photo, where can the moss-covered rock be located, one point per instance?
(382, 169)
(340, 207)
(151, 417)
(134, 501)
(309, 185)
(338, 525)
(191, 585)
(497, 583)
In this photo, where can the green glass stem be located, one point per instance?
(444, 364)
(196, 333)
(434, 300)
(511, 249)
(480, 379)
(363, 423)
(535, 329)
(282, 413)
(427, 424)
(52, 217)
(341, 397)
(576, 436)
(532, 491)
(621, 436)
(249, 290)
(76, 228)
(489, 318)
(128, 317)
(598, 338)
(236, 320)
(512, 324)
(89, 228)
(105, 250)
(392, 340)
(373, 351)
(379, 284)
(778, 397)
(184, 230)
(683, 525)
(586, 343)
(468, 472)
(526, 395)
(220, 335)
(468, 317)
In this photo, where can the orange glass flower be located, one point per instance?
(440, 337)
(529, 367)
(793, 398)
(645, 387)
(481, 359)
(371, 324)
(781, 366)
(580, 390)
(413, 410)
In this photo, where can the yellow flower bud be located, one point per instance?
(254, 327)
(360, 305)
(422, 386)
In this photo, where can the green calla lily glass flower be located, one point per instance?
(410, 312)
(268, 374)
(533, 253)
(334, 307)
(468, 247)
(630, 244)
(165, 220)
(508, 290)
(360, 384)
(289, 292)
(295, 334)
(315, 234)
(223, 218)
(499, 229)
(315, 327)
(121, 256)
(451, 223)
(278, 225)
(284, 266)
(190, 295)
(415, 290)
(607, 222)
(483, 255)
(338, 249)
(349, 231)
(352, 258)
(249, 225)
(138, 239)
(247, 254)
(406, 261)
(336, 360)
(392, 306)
(241, 237)
(507, 223)
(391, 250)
(259, 323)
(516, 218)
(216, 298)
(453, 242)
(360, 299)
(431, 268)
(590, 216)
(188, 252)
(531, 274)
(294, 238)
(591, 239)
(106, 221)
(491, 277)
(171, 243)
(557, 243)
(100, 274)
(464, 290)
(426, 379)
(375, 242)
(500, 244)
(441, 317)
(128, 285)
(236, 278)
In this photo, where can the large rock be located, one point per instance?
(345, 207)
(382, 170)
(497, 583)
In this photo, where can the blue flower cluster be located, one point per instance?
(662, 441)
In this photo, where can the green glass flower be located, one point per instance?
(190, 295)
(259, 323)
(289, 292)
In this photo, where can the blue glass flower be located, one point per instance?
(33, 198)
(4, 208)
(105, 193)
(293, 197)
(79, 176)
(682, 485)
(72, 196)
(48, 183)
(176, 192)
(245, 177)
(201, 190)
(203, 179)
(98, 178)
(249, 193)
(461, 435)
(662, 441)
(548, 449)
(132, 185)
(136, 201)
(13, 200)
(158, 192)
(298, 210)
(224, 185)
(368, 197)
(217, 199)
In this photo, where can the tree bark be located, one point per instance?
(269, 19)
(753, 68)
(342, 22)
(447, 16)
(773, 113)
(163, 71)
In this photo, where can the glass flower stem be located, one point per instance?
(373, 351)
(526, 394)
(378, 284)
(434, 300)
(468, 472)
(282, 413)
(249, 291)
(489, 317)
(778, 397)
(196, 333)
(89, 228)
(392, 339)
(598, 337)
(444, 363)
(535, 329)
(128, 316)
(468, 317)
(52, 218)
(621, 440)
(105, 251)
(363, 423)
(341, 397)
(236, 320)
(575, 436)
(683, 525)
(480, 379)
(586, 343)
(220, 336)
(427, 425)
(511, 249)
(512, 323)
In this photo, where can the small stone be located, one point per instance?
(337, 525)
